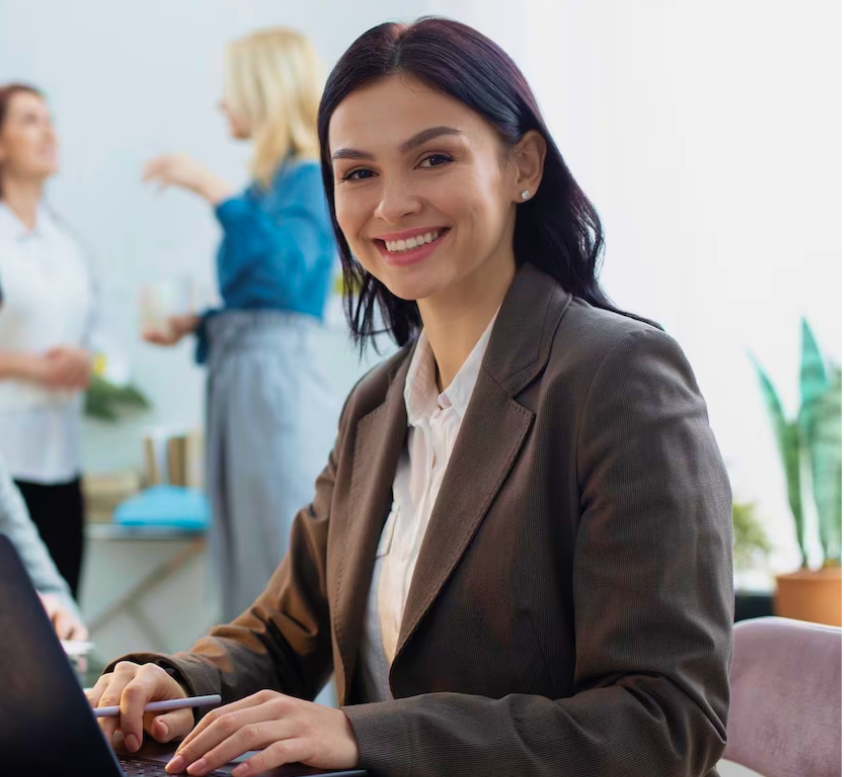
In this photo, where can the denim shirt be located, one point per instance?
(278, 250)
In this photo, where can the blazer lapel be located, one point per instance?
(379, 439)
(491, 435)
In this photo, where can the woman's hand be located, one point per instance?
(283, 728)
(131, 687)
(175, 328)
(182, 171)
(68, 367)
(66, 624)
(59, 368)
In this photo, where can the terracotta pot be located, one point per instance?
(810, 595)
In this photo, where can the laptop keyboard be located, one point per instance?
(136, 767)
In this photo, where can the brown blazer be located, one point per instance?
(570, 613)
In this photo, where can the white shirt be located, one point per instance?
(46, 299)
(434, 420)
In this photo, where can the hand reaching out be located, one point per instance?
(176, 327)
(186, 173)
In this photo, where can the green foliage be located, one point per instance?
(821, 423)
(814, 438)
(749, 538)
(788, 441)
(105, 400)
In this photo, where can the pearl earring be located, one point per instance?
(525, 194)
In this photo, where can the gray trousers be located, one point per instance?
(271, 423)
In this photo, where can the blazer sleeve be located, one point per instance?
(652, 587)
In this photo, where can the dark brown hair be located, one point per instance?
(7, 92)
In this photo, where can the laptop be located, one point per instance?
(47, 727)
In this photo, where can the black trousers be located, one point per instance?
(58, 512)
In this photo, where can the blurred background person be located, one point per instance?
(270, 416)
(54, 591)
(49, 323)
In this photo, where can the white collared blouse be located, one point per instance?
(47, 299)
(434, 421)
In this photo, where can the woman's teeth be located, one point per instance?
(397, 246)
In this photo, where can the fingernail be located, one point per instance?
(197, 767)
(177, 764)
(162, 727)
(240, 770)
(131, 743)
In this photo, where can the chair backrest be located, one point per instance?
(785, 708)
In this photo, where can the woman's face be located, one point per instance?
(411, 164)
(28, 143)
(236, 125)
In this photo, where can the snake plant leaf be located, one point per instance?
(788, 441)
(823, 437)
(813, 379)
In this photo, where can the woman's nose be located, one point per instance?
(397, 202)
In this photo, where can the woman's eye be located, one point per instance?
(435, 160)
(357, 175)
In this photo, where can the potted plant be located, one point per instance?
(810, 450)
(108, 394)
(751, 548)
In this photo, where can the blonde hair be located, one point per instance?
(273, 83)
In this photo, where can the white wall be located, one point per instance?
(127, 81)
(708, 135)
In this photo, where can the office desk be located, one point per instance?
(145, 589)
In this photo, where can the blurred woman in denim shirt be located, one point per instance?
(270, 417)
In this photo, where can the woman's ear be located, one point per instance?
(528, 159)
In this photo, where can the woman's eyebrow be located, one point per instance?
(429, 134)
(417, 140)
(351, 153)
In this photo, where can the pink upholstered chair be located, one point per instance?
(785, 711)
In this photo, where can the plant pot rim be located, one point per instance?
(824, 573)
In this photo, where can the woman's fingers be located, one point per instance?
(67, 626)
(93, 694)
(154, 168)
(155, 336)
(149, 683)
(285, 729)
(164, 336)
(110, 697)
(168, 726)
(249, 730)
(218, 725)
(255, 700)
(68, 367)
(130, 687)
(277, 754)
(62, 624)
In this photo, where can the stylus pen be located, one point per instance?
(164, 706)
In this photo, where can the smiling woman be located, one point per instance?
(517, 560)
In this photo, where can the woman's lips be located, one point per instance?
(410, 255)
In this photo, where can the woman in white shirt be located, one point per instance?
(47, 319)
